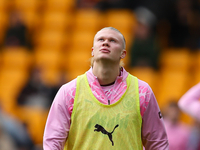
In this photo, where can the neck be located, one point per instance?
(106, 73)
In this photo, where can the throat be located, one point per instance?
(108, 84)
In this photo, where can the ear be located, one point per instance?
(123, 54)
(92, 51)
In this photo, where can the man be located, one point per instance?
(106, 108)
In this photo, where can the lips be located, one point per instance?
(105, 50)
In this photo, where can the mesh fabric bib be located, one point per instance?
(95, 126)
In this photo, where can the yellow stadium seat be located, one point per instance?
(88, 20)
(172, 85)
(59, 5)
(70, 75)
(197, 76)
(175, 59)
(51, 76)
(32, 20)
(3, 5)
(3, 25)
(146, 74)
(35, 119)
(198, 61)
(49, 39)
(16, 57)
(11, 82)
(67, 41)
(122, 19)
(76, 63)
(195, 68)
(16, 77)
(3, 19)
(8, 104)
(56, 21)
(45, 48)
(78, 60)
(47, 59)
(24, 5)
(81, 41)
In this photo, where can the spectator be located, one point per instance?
(145, 48)
(179, 19)
(36, 93)
(16, 34)
(177, 131)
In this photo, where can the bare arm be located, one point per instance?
(190, 103)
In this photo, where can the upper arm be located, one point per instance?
(58, 121)
(154, 135)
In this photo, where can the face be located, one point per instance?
(108, 45)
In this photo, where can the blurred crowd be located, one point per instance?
(160, 24)
(181, 136)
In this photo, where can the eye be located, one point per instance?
(101, 39)
(112, 40)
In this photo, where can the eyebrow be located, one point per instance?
(110, 38)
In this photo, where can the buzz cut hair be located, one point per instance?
(124, 43)
(112, 28)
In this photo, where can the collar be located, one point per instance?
(122, 76)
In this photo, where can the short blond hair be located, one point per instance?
(124, 44)
(111, 28)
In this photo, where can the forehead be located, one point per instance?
(108, 33)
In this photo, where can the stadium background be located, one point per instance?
(62, 35)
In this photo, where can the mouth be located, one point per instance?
(105, 50)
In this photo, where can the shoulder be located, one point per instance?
(144, 86)
(145, 94)
(145, 91)
(68, 87)
(65, 94)
(141, 83)
(70, 84)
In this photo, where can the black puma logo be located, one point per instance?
(100, 128)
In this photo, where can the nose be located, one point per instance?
(105, 43)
